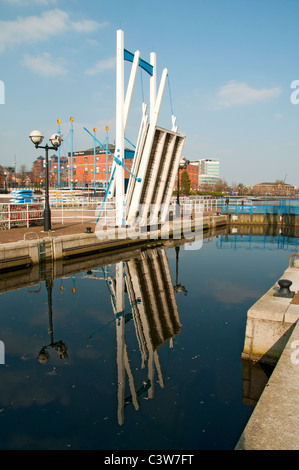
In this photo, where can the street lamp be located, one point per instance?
(5, 182)
(182, 165)
(56, 140)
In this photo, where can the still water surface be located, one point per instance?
(165, 374)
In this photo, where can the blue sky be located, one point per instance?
(230, 62)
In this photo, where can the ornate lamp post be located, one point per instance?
(5, 182)
(56, 141)
(183, 164)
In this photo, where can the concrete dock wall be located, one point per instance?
(273, 424)
(30, 252)
(288, 222)
(270, 322)
(272, 337)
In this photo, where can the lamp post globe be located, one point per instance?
(36, 137)
(183, 163)
(56, 140)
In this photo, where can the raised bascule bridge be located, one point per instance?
(157, 154)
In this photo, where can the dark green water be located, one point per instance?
(165, 374)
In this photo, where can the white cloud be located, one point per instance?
(45, 65)
(21, 3)
(85, 26)
(33, 29)
(102, 66)
(236, 93)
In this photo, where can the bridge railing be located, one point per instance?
(262, 206)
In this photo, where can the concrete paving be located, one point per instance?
(272, 332)
(58, 230)
(70, 226)
(270, 322)
(274, 423)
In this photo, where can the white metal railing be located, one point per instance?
(83, 212)
(67, 209)
(197, 203)
(20, 214)
(68, 200)
(104, 213)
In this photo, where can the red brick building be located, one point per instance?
(88, 167)
(193, 172)
(39, 170)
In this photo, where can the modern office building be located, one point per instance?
(202, 172)
(208, 171)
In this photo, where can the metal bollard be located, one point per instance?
(284, 290)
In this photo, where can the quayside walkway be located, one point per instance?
(23, 247)
(274, 423)
(272, 334)
(17, 234)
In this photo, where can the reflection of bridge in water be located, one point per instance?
(148, 283)
(141, 290)
(256, 242)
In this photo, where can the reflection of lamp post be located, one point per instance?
(59, 346)
(56, 140)
(178, 287)
(182, 166)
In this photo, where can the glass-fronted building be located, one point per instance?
(208, 171)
